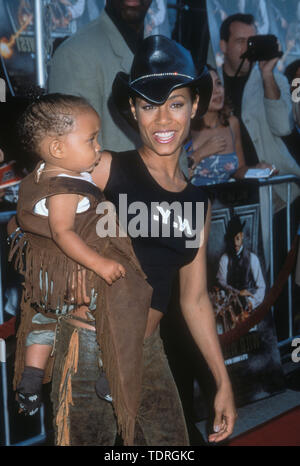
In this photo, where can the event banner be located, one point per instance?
(278, 17)
(60, 19)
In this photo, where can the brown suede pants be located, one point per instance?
(91, 421)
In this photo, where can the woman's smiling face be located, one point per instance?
(164, 128)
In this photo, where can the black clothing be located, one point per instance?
(292, 142)
(131, 37)
(234, 88)
(92, 421)
(161, 255)
(239, 273)
(29, 390)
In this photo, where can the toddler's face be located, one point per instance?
(81, 147)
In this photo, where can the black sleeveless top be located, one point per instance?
(164, 226)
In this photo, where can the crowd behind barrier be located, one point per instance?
(286, 183)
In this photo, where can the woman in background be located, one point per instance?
(215, 148)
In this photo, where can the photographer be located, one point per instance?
(260, 97)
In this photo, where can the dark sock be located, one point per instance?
(102, 388)
(29, 390)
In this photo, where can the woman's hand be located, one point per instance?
(211, 146)
(225, 414)
(263, 164)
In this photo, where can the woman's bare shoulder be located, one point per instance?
(234, 121)
(101, 172)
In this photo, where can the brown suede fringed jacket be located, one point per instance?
(49, 275)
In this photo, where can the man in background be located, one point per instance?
(260, 97)
(87, 63)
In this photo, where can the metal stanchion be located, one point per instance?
(3, 367)
(4, 392)
(288, 179)
(288, 246)
(4, 218)
(270, 190)
(39, 43)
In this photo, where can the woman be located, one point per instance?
(215, 148)
(162, 94)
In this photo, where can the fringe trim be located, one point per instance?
(26, 320)
(51, 265)
(125, 418)
(26, 326)
(65, 391)
(51, 279)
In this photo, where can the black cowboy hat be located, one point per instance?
(160, 66)
(234, 227)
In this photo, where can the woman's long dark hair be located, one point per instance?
(224, 113)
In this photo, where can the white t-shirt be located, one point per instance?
(83, 205)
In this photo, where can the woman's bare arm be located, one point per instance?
(199, 316)
(101, 172)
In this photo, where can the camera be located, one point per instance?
(262, 48)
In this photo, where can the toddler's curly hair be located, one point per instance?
(50, 114)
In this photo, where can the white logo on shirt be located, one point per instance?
(160, 224)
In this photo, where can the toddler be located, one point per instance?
(56, 214)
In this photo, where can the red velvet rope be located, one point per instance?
(8, 328)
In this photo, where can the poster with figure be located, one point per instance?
(238, 285)
(278, 17)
